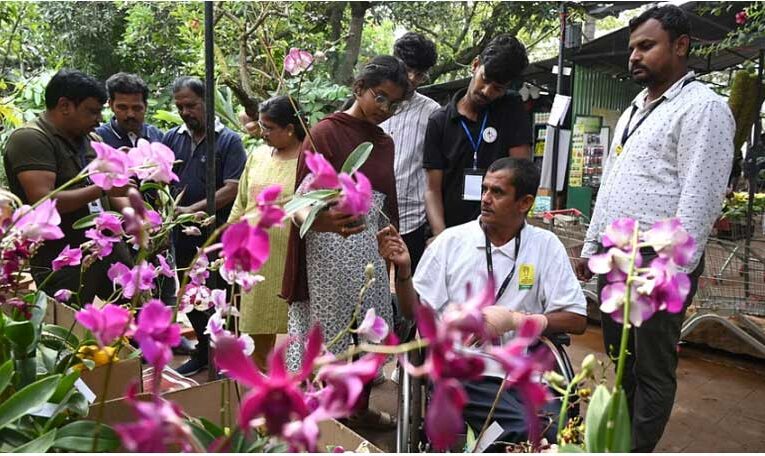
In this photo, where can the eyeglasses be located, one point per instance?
(266, 129)
(418, 76)
(383, 102)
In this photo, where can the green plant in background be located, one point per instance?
(744, 106)
(736, 207)
(318, 97)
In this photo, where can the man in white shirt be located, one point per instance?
(407, 128)
(533, 276)
(671, 157)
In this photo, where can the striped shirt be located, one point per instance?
(407, 128)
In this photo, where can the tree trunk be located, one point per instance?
(344, 73)
(336, 10)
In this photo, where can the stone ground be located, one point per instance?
(720, 404)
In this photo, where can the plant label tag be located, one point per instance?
(94, 207)
(492, 433)
(85, 390)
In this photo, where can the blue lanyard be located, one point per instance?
(473, 142)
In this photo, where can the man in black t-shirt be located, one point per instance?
(479, 125)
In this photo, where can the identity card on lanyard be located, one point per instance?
(473, 177)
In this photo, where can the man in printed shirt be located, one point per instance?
(671, 157)
(407, 128)
(128, 100)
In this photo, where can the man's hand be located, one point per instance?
(583, 272)
(392, 247)
(500, 320)
(119, 192)
(181, 210)
(333, 221)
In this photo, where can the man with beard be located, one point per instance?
(479, 125)
(671, 157)
(128, 100)
(188, 143)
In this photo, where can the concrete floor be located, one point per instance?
(720, 404)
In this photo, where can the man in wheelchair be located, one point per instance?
(532, 274)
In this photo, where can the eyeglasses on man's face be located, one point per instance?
(266, 129)
(385, 103)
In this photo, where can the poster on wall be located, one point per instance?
(585, 138)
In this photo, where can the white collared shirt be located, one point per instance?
(407, 128)
(457, 258)
(676, 164)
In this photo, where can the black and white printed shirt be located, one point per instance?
(407, 128)
(676, 164)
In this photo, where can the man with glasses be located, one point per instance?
(479, 125)
(407, 128)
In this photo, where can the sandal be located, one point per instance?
(371, 419)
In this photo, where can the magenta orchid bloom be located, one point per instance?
(38, 224)
(132, 281)
(324, 174)
(443, 418)
(619, 233)
(270, 213)
(356, 198)
(373, 328)
(297, 61)
(109, 224)
(612, 299)
(302, 435)
(156, 333)
(159, 427)
(667, 287)
(106, 324)
(111, 167)
(344, 385)
(245, 247)
(467, 318)
(152, 162)
(741, 17)
(164, 268)
(67, 257)
(275, 398)
(670, 240)
(244, 279)
(62, 295)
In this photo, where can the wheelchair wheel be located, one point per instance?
(409, 429)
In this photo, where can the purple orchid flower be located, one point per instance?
(132, 281)
(67, 257)
(110, 168)
(160, 426)
(107, 323)
(156, 333)
(245, 247)
(62, 295)
(619, 233)
(152, 162)
(373, 328)
(344, 385)
(443, 419)
(38, 224)
(297, 61)
(324, 174)
(670, 240)
(270, 213)
(356, 198)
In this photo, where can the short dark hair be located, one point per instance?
(672, 18)
(525, 175)
(280, 110)
(73, 85)
(384, 68)
(416, 51)
(504, 59)
(188, 82)
(126, 83)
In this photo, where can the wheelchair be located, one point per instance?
(413, 395)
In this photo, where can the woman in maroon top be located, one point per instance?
(325, 271)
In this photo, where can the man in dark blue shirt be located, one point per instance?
(188, 143)
(128, 97)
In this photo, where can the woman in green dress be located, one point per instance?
(263, 312)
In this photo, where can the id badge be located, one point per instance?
(95, 207)
(471, 184)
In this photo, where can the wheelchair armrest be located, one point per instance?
(560, 339)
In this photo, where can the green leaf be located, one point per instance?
(311, 218)
(201, 434)
(62, 334)
(6, 373)
(622, 428)
(64, 386)
(470, 440)
(40, 301)
(78, 437)
(167, 116)
(28, 398)
(21, 334)
(597, 411)
(568, 448)
(357, 158)
(85, 222)
(39, 445)
(211, 427)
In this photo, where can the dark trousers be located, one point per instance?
(415, 242)
(650, 379)
(509, 412)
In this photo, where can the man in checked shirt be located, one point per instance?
(671, 157)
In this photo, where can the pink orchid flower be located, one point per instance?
(344, 385)
(356, 198)
(670, 240)
(467, 318)
(38, 224)
(244, 279)
(67, 257)
(612, 299)
(373, 328)
(443, 418)
(111, 167)
(324, 174)
(164, 268)
(302, 435)
(62, 295)
(741, 17)
(102, 244)
(156, 333)
(132, 281)
(106, 324)
(667, 287)
(619, 233)
(276, 397)
(270, 213)
(297, 61)
(153, 162)
(109, 224)
(160, 426)
(245, 247)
